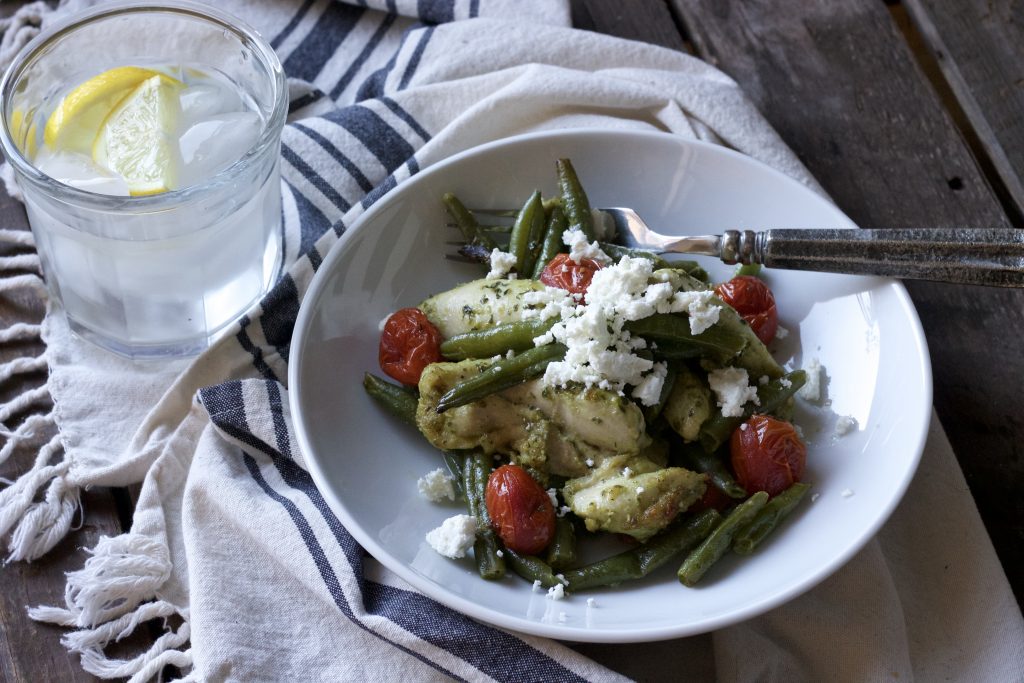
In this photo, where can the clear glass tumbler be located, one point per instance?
(158, 275)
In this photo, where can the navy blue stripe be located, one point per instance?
(284, 442)
(340, 228)
(383, 141)
(285, 189)
(312, 222)
(474, 8)
(436, 11)
(337, 155)
(363, 55)
(407, 117)
(314, 258)
(314, 178)
(505, 658)
(414, 60)
(392, 6)
(290, 26)
(373, 86)
(327, 574)
(256, 352)
(280, 308)
(379, 191)
(309, 58)
(314, 95)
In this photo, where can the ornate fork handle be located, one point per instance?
(982, 257)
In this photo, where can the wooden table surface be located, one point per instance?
(909, 113)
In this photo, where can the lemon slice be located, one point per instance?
(73, 125)
(135, 138)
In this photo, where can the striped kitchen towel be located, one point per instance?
(231, 543)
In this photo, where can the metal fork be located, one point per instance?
(984, 256)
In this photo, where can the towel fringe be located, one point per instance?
(21, 237)
(22, 401)
(144, 666)
(20, 366)
(45, 523)
(20, 262)
(21, 332)
(24, 281)
(16, 499)
(26, 431)
(123, 572)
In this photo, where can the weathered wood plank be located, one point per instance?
(979, 46)
(839, 84)
(645, 20)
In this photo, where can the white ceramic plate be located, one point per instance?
(864, 331)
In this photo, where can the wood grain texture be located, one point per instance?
(648, 21)
(839, 84)
(979, 46)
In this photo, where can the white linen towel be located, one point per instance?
(231, 539)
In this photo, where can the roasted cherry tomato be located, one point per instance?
(712, 498)
(767, 455)
(564, 273)
(754, 302)
(408, 344)
(520, 510)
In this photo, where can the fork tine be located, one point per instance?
(501, 213)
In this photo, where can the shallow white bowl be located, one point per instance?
(864, 331)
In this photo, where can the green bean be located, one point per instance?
(466, 222)
(486, 550)
(501, 375)
(693, 269)
(673, 339)
(777, 509)
(531, 568)
(398, 400)
(711, 464)
(699, 561)
(616, 251)
(551, 243)
(456, 463)
(752, 269)
(562, 551)
(551, 203)
(644, 559)
(529, 222)
(717, 429)
(494, 341)
(574, 200)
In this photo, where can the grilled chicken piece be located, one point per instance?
(552, 430)
(632, 495)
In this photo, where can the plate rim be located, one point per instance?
(565, 632)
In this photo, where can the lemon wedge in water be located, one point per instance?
(73, 125)
(134, 140)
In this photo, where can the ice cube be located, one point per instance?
(204, 100)
(214, 144)
(78, 170)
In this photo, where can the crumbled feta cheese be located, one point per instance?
(564, 510)
(561, 577)
(763, 380)
(501, 263)
(626, 472)
(811, 390)
(510, 354)
(743, 427)
(499, 553)
(580, 249)
(556, 592)
(846, 493)
(590, 462)
(600, 351)
(785, 382)
(844, 425)
(781, 332)
(454, 537)
(732, 390)
(553, 495)
(815, 496)
(537, 586)
(436, 486)
(591, 602)
(639, 490)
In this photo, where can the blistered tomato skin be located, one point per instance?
(408, 343)
(521, 511)
(755, 303)
(564, 273)
(767, 455)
